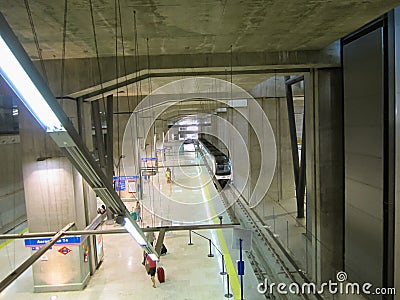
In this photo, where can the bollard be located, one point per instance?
(273, 213)
(190, 238)
(223, 266)
(228, 294)
(220, 220)
(287, 234)
(210, 254)
(306, 253)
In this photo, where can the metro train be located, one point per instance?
(218, 161)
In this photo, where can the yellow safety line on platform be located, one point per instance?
(2, 245)
(230, 268)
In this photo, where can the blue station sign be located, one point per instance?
(148, 158)
(125, 177)
(68, 240)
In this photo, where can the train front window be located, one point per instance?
(224, 169)
(223, 166)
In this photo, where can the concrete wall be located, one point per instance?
(12, 200)
(240, 176)
(282, 186)
(275, 87)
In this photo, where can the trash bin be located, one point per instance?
(134, 215)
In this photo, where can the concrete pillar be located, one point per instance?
(55, 195)
(95, 242)
(324, 173)
(12, 202)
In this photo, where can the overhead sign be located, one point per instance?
(120, 185)
(120, 181)
(244, 235)
(238, 103)
(70, 240)
(132, 187)
(148, 173)
(148, 158)
(125, 177)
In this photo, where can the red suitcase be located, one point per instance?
(160, 274)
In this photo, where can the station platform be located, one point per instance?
(190, 272)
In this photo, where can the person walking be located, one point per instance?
(138, 211)
(150, 236)
(151, 267)
(168, 175)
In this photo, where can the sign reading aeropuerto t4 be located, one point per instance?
(70, 240)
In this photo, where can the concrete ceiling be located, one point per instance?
(187, 36)
(189, 27)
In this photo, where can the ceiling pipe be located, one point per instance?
(119, 230)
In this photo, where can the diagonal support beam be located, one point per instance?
(160, 241)
(301, 185)
(292, 129)
(298, 170)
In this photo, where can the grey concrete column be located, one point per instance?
(12, 202)
(54, 197)
(95, 243)
(324, 173)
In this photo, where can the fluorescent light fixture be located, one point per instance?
(153, 257)
(134, 233)
(192, 128)
(15, 75)
(221, 109)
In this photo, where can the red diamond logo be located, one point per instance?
(64, 250)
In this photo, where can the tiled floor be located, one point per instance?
(190, 273)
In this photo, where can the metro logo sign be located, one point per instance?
(64, 250)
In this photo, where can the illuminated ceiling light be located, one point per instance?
(14, 74)
(153, 257)
(192, 128)
(134, 232)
